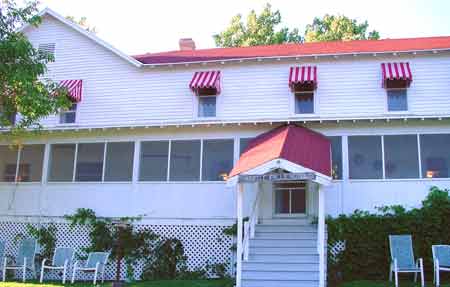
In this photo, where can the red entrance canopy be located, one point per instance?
(295, 144)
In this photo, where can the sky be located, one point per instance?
(140, 26)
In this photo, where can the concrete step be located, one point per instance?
(286, 235)
(285, 228)
(284, 251)
(287, 221)
(280, 283)
(261, 242)
(281, 275)
(268, 266)
(287, 258)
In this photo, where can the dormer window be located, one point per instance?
(397, 78)
(303, 83)
(206, 87)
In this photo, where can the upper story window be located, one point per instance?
(206, 86)
(303, 83)
(10, 118)
(74, 89)
(397, 78)
(47, 49)
(207, 106)
(68, 116)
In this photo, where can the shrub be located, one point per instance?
(366, 255)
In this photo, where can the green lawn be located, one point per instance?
(403, 283)
(164, 283)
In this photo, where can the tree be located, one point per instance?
(340, 27)
(83, 23)
(258, 30)
(22, 70)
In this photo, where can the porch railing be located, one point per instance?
(250, 225)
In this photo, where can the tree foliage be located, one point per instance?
(257, 30)
(83, 23)
(338, 27)
(22, 71)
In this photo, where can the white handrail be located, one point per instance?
(249, 227)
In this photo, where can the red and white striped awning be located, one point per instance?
(396, 71)
(303, 75)
(74, 88)
(205, 79)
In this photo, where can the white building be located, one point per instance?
(158, 134)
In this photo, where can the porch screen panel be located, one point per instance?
(217, 159)
(185, 161)
(435, 155)
(336, 157)
(401, 157)
(31, 162)
(365, 158)
(154, 157)
(119, 161)
(243, 144)
(61, 162)
(8, 163)
(90, 162)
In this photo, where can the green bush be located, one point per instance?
(366, 255)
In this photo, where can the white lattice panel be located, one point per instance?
(335, 249)
(202, 244)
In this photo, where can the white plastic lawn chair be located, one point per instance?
(402, 258)
(24, 260)
(61, 260)
(96, 263)
(441, 259)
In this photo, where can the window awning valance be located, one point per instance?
(74, 88)
(205, 80)
(303, 75)
(396, 71)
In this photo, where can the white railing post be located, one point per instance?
(246, 240)
(239, 208)
(321, 236)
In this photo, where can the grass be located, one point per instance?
(163, 283)
(403, 283)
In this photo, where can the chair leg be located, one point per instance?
(396, 278)
(438, 281)
(4, 269)
(24, 270)
(95, 274)
(103, 274)
(42, 274)
(73, 274)
(64, 273)
(422, 275)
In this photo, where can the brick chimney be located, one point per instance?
(186, 44)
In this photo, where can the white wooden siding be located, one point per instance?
(118, 93)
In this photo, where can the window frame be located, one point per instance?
(197, 106)
(63, 113)
(387, 100)
(18, 159)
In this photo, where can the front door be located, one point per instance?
(290, 198)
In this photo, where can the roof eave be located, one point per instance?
(297, 57)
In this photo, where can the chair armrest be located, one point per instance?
(44, 261)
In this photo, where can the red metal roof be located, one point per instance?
(305, 49)
(296, 144)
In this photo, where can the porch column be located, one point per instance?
(240, 197)
(321, 244)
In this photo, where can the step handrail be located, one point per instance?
(250, 225)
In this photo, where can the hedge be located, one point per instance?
(366, 256)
